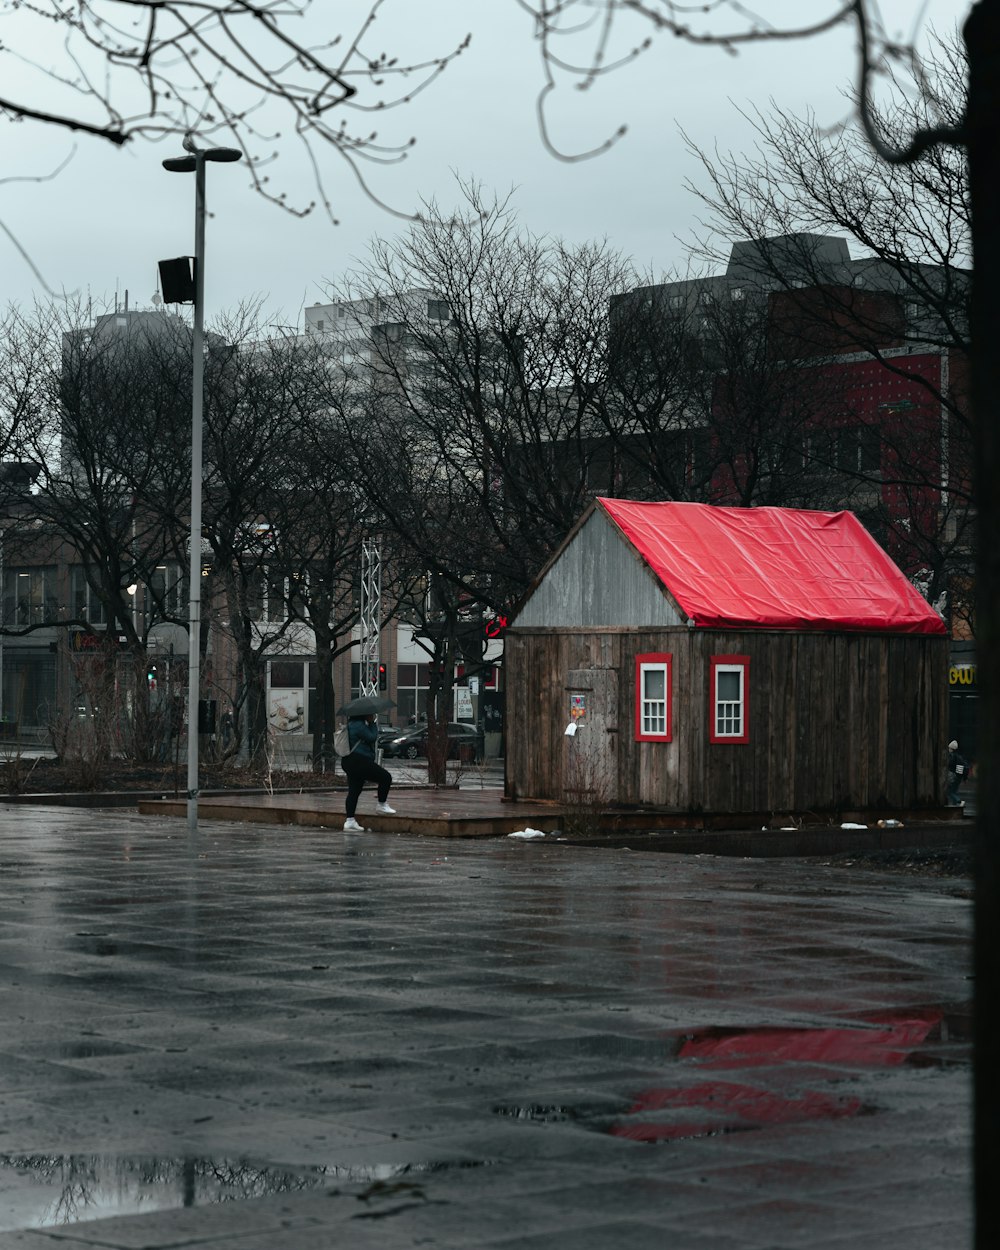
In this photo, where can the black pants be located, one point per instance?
(359, 769)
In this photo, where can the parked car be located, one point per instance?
(412, 742)
(387, 734)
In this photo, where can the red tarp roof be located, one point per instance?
(773, 568)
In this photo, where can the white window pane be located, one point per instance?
(656, 683)
(654, 719)
(729, 710)
(654, 692)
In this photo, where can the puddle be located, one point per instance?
(389, 1171)
(597, 1113)
(97, 1049)
(38, 1190)
(42, 1191)
(539, 1113)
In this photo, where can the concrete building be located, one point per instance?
(868, 392)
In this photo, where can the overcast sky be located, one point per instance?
(100, 226)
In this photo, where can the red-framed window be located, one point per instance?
(653, 697)
(729, 698)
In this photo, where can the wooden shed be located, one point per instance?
(726, 660)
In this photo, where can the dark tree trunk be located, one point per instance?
(324, 756)
(256, 714)
(439, 692)
(982, 36)
(254, 699)
(147, 725)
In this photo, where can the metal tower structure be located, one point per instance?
(370, 634)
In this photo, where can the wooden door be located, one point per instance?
(590, 755)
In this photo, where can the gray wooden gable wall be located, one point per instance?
(598, 580)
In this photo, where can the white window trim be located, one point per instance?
(649, 712)
(726, 664)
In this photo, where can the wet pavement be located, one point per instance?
(294, 1039)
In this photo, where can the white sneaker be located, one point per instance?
(385, 809)
(352, 826)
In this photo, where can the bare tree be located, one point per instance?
(905, 298)
(910, 223)
(704, 408)
(253, 73)
(100, 431)
(658, 396)
(483, 384)
(24, 379)
(476, 409)
(583, 41)
(475, 366)
(258, 392)
(321, 523)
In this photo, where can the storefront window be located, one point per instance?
(412, 683)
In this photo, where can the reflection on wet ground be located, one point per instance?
(726, 1107)
(920, 1037)
(549, 1113)
(41, 1191)
(879, 1040)
(884, 1039)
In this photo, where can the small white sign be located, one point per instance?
(473, 685)
(463, 702)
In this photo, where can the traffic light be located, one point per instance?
(382, 678)
(151, 676)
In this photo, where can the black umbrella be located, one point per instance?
(366, 705)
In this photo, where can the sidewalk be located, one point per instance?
(299, 1039)
(294, 755)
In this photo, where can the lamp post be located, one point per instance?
(194, 162)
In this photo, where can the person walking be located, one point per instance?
(360, 766)
(957, 769)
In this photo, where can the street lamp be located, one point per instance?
(194, 162)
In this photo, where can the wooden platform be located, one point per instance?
(453, 813)
(437, 813)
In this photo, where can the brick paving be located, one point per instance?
(283, 1038)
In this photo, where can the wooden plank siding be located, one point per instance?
(837, 721)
